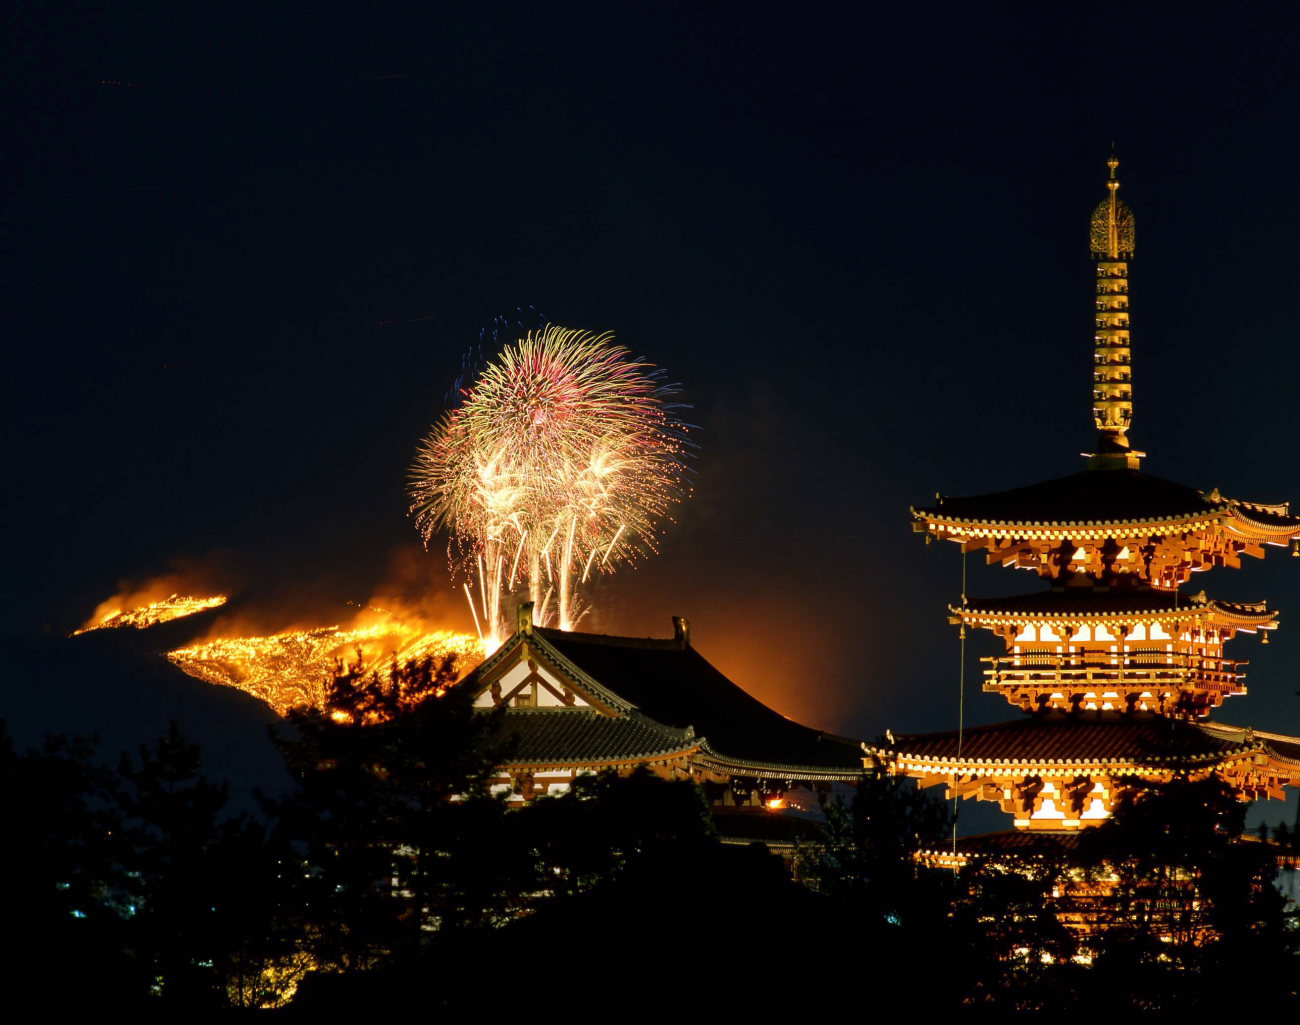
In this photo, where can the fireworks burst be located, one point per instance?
(561, 460)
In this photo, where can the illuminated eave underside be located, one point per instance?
(1210, 612)
(700, 757)
(1097, 503)
(596, 764)
(927, 766)
(772, 770)
(1230, 522)
(1275, 750)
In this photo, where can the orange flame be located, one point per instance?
(294, 668)
(124, 611)
(291, 662)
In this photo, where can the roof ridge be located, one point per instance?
(612, 640)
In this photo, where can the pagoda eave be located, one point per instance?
(1095, 504)
(958, 529)
(1076, 785)
(1110, 742)
(1112, 608)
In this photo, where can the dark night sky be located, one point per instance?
(246, 277)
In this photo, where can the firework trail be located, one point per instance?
(561, 460)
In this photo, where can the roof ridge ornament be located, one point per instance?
(1112, 375)
(1113, 232)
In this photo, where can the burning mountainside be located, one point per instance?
(292, 667)
(295, 667)
(111, 614)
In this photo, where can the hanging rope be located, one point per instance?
(961, 709)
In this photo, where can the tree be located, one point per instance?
(1013, 949)
(60, 881)
(392, 802)
(868, 854)
(1193, 901)
(607, 826)
(206, 921)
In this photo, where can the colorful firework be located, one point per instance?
(561, 460)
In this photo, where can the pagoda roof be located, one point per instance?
(1148, 742)
(578, 736)
(1096, 497)
(1133, 603)
(671, 683)
(1018, 841)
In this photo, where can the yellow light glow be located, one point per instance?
(111, 615)
(295, 668)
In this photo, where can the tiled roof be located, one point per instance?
(1152, 741)
(1097, 497)
(1089, 496)
(555, 736)
(1052, 604)
(1279, 745)
(1020, 841)
(671, 683)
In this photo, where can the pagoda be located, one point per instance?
(1115, 667)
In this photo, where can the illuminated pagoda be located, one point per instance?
(1115, 667)
(582, 703)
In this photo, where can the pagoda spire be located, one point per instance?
(1112, 380)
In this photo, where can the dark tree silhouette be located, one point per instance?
(1193, 904)
(60, 881)
(207, 916)
(392, 808)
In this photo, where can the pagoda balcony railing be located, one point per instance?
(1129, 669)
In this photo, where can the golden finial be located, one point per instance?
(1112, 220)
(1112, 409)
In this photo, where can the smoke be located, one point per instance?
(417, 586)
(199, 578)
(414, 587)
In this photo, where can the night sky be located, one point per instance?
(251, 252)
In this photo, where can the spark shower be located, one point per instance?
(562, 459)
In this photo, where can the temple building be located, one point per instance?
(1114, 667)
(583, 703)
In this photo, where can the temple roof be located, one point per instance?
(1142, 603)
(1103, 497)
(1139, 742)
(575, 736)
(646, 699)
(674, 685)
(747, 825)
(1020, 841)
